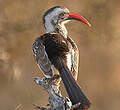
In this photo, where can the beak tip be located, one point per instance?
(89, 24)
(75, 16)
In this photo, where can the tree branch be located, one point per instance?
(56, 100)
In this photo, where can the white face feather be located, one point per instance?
(52, 16)
(51, 19)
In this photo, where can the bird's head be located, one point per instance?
(55, 18)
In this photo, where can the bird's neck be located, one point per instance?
(59, 28)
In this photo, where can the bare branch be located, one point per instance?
(56, 100)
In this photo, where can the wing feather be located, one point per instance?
(41, 58)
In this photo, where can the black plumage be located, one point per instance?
(56, 46)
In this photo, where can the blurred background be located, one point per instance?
(99, 67)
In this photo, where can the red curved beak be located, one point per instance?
(75, 16)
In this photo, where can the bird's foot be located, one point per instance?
(55, 80)
(47, 82)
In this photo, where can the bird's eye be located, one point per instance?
(62, 14)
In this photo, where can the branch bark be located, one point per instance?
(56, 100)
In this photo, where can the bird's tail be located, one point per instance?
(73, 90)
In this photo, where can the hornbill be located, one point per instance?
(56, 49)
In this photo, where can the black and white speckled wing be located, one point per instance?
(74, 52)
(41, 58)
